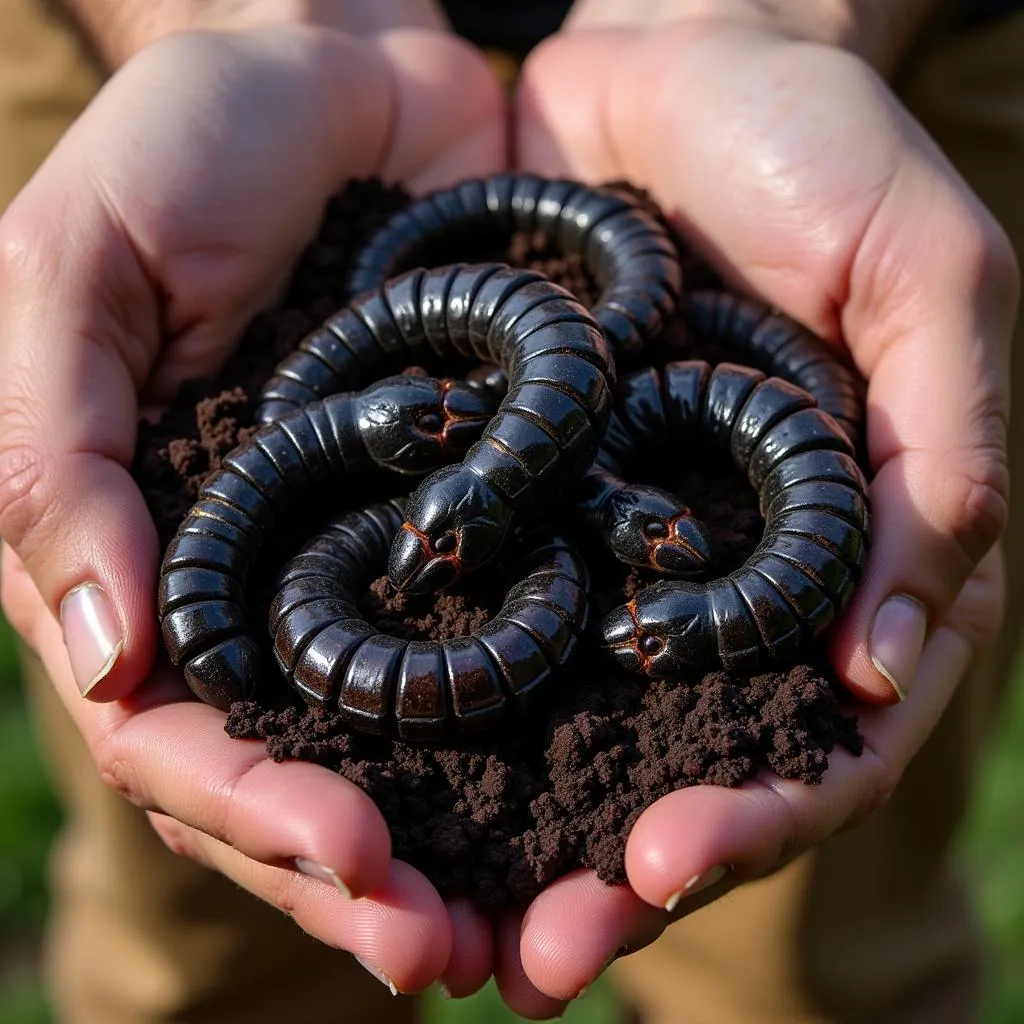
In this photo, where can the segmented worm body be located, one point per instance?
(547, 427)
(649, 527)
(421, 690)
(630, 254)
(812, 495)
(407, 425)
(755, 334)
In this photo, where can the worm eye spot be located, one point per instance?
(430, 423)
(445, 544)
(650, 645)
(655, 528)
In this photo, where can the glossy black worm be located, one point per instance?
(630, 254)
(422, 690)
(758, 335)
(653, 529)
(407, 425)
(813, 497)
(640, 525)
(547, 427)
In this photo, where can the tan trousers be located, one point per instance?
(870, 928)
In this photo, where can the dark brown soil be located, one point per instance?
(561, 790)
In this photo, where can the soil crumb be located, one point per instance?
(498, 821)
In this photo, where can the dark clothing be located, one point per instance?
(518, 25)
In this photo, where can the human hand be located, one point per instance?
(795, 168)
(697, 844)
(170, 213)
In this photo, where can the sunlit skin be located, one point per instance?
(801, 175)
(789, 162)
(136, 245)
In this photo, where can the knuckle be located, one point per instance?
(284, 892)
(118, 775)
(991, 258)
(20, 255)
(977, 493)
(178, 838)
(880, 777)
(117, 770)
(25, 492)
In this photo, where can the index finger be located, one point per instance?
(166, 752)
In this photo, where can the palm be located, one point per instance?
(803, 179)
(236, 165)
(183, 196)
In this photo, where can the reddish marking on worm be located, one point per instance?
(654, 543)
(430, 553)
(636, 640)
(450, 418)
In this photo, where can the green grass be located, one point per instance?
(993, 852)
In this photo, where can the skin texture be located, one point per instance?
(788, 160)
(136, 251)
(118, 29)
(793, 164)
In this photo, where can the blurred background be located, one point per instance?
(992, 855)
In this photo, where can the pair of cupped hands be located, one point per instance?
(174, 209)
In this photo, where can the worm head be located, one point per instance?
(454, 524)
(414, 424)
(652, 529)
(665, 631)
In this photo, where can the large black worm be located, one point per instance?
(546, 430)
(760, 336)
(630, 254)
(813, 497)
(408, 425)
(547, 427)
(422, 690)
(651, 528)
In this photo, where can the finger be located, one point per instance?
(577, 926)
(559, 107)
(401, 933)
(936, 355)
(472, 959)
(696, 834)
(813, 219)
(451, 114)
(67, 433)
(515, 987)
(170, 754)
(95, 268)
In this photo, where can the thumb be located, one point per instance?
(933, 344)
(74, 349)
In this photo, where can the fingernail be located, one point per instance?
(695, 884)
(92, 634)
(379, 975)
(897, 639)
(324, 874)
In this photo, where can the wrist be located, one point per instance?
(878, 31)
(120, 28)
